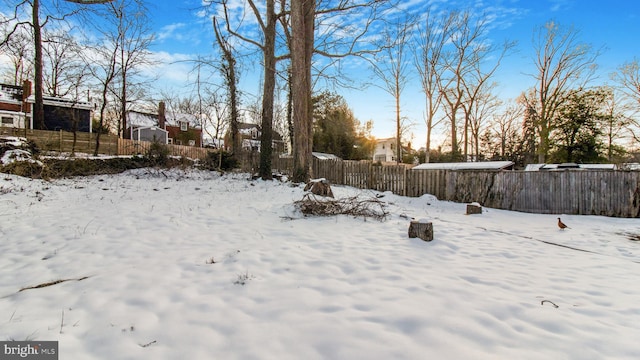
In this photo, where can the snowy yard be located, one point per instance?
(201, 266)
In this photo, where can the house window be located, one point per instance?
(178, 142)
(382, 146)
(7, 120)
(183, 126)
(170, 141)
(192, 143)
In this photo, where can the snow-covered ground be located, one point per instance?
(201, 266)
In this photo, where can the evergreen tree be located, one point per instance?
(334, 129)
(578, 135)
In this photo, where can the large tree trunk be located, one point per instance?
(398, 120)
(266, 140)
(289, 109)
(236, 146)
(123, 105)
(38, 108)
(302, 31)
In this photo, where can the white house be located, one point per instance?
(385, 150)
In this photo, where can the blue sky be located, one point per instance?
(613, 25)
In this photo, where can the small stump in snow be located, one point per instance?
(319, 187)
(474, 208)
(421, 229)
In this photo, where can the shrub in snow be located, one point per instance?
(219, 160)
(16, 156)
(13, 148)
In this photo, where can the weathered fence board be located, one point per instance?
(356, 174)
(135, 147)
(63, 141)
(332, 170)
(388, 178)
(609, 193)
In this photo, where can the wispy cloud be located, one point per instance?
(171, 69)
(559, 5)
(171, 31)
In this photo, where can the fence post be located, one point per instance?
(406, 181)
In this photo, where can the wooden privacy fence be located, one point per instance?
(63, 141)
(135, 147)
(581, 192)
(584, 192)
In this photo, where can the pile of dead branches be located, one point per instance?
(312, 205)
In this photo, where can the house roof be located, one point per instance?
(480, 165)
(324, 156)
(174, 119)
(245, 129)
(386, 139)
(8, 98)
(63, 102)
(139, 119)
(564, 166)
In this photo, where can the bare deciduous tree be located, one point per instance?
(102, 66)
(628, 79)
(19, 48)
(617, 122)
(133, 32)
(228, 70)
(63, 69)
(480, 101)
(477, 112)
(461, 72)
(433, 35)
(390, 65)
(505, 130)
(562, 63)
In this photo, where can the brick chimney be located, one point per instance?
(26, 92)
(161, 115)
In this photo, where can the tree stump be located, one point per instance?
(319, 187)
(474, 208)
(421, 229)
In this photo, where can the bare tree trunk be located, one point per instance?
(290, 109)
(38, 108)
(229, 73)
(269, 84)
(123, 103)
(302, 31)
(398, 120)
(236, 146)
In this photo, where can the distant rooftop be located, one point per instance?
(324, 156)
(565, 166)
(480, 165)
